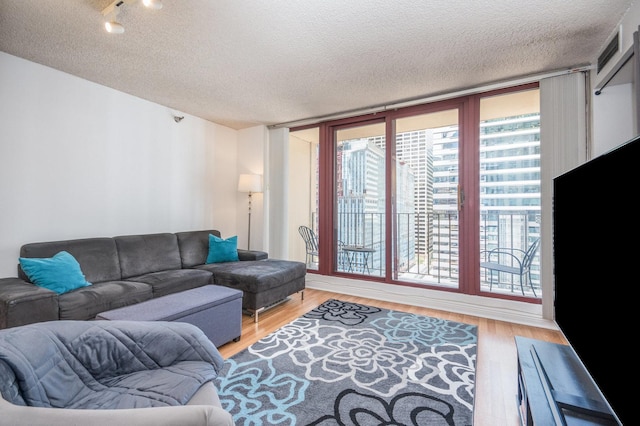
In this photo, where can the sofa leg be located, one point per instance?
(254, 312)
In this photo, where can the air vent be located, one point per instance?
(607, 54)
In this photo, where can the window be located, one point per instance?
(400, 192)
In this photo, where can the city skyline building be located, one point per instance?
(426, 205)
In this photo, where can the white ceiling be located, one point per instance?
(241, 63)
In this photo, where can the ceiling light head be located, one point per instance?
(113, 27)
(153, 4)
(111, 12)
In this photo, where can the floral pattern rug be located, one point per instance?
(350, 364)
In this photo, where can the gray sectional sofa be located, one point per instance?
(130, 269)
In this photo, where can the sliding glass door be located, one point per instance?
(360, 193)
(510, 207)
(421, 196)
(426, 223)
(396, 204)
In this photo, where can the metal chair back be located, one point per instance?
(311, 243)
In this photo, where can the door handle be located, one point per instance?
(460, 197)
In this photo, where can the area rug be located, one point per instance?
(350, 364)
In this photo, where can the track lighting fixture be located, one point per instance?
(153, 4)
(113, 27)
(111, 13)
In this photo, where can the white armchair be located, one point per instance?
(206, 413)
(105, 373)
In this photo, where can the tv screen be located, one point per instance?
(596, 267)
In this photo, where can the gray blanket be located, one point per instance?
(105, 364)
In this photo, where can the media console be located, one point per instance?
(554, 388)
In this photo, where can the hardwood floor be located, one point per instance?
(496, 371)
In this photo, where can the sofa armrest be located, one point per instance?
(25, 303)
(252, 255)
(196, 415)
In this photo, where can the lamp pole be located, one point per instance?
(249, 183)
(249, 230)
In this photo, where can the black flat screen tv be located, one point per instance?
(597, 269)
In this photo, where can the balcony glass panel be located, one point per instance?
(360, 199)
(425, 228)
(510, 193)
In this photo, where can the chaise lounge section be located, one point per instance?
(264, 283)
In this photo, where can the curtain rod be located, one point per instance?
(422, 100)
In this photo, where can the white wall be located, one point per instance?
(613, 110)
(302, 172)
(251, 154)
(613, 118)
(81, 160)
(278, 175)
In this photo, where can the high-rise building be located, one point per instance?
(426, 191)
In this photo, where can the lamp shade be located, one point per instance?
(250, 183)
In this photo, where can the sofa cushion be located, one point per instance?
(60, 273)
(255, 276)
(255, 301)
(97, 257)
(263, 282)
(142, 254)
(87, 302)
(252, 254)
(169, 282)
(194, 246)
(222, 250)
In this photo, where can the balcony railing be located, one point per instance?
(427, 247)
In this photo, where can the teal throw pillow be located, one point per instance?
(60, 273)
(221, 250)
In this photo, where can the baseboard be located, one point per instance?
(485, 307)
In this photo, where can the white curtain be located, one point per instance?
(277, 202)
(636, 80)
(564, 145)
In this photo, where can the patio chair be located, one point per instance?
(311, 244)
(511, 261)
(343, 257)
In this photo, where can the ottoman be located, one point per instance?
(216, 310)
(264, 283)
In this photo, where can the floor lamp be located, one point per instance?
(249, 183)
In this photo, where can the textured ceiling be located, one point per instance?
(241, 63)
